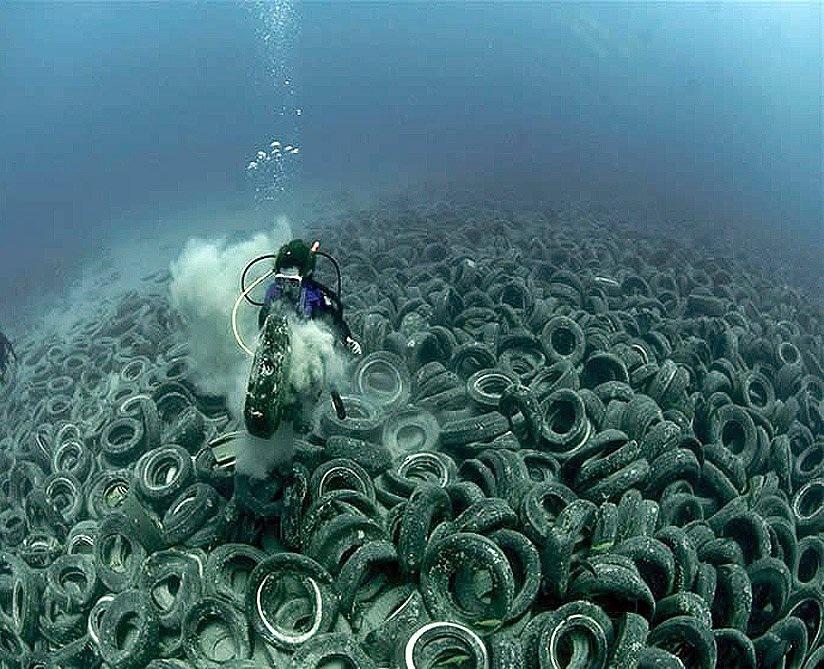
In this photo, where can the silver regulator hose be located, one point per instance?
(240, 299)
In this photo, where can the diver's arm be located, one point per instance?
(346, 334)
(331, 305)
(340, 325)
(343, 327)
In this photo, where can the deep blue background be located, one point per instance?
(116, 115)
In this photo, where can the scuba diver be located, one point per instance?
(6, 355)
(293, 293)
(294, 283)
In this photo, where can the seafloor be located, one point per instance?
(570, 444)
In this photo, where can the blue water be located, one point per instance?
(119, 120)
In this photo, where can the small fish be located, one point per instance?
(491, 622)
(457, 659)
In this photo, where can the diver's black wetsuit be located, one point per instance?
(6, 353)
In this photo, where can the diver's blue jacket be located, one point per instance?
(316, 301)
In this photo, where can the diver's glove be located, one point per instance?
(353, 346)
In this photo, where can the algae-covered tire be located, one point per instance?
(364, 419)
(734, 649)
(81, 538)
(384, 378)
(274, 602)
(657, 658)
(63, 495)
(564, 427)
(410, 471)
(688, 636)
(549, 636)
(340, 474)
(23, 587)
(486, 386)
(505, 651)
(227, 627)
(374, 458)
(630, 641)
(807, 604)
(143, 407)
(520, 550)
(426, 375)
(808, 507)
(118, 554)
(128, 631)
(13, 647)
(785, 644)
(561, 374)
(334, 541)
(616, 484)
(441, 641)
(188, 429)
(614, 579)
(470, 358)
(410, 430)
(190, 511)
(107, 491)
(563, 339)
(73, 457)
(522, 410)
(809, 568)
(427, 506)
(174, 582)
(162, 474)
(123, 440)
(227, 570)
(452, 556)
(432, 379)
(365, 573)
(263, 407)
(324, 648)
(72, 581)
(462, 431)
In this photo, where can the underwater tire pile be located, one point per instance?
(564, 449)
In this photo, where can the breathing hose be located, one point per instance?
(335, 263)
(241, 297)
(246, 271)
